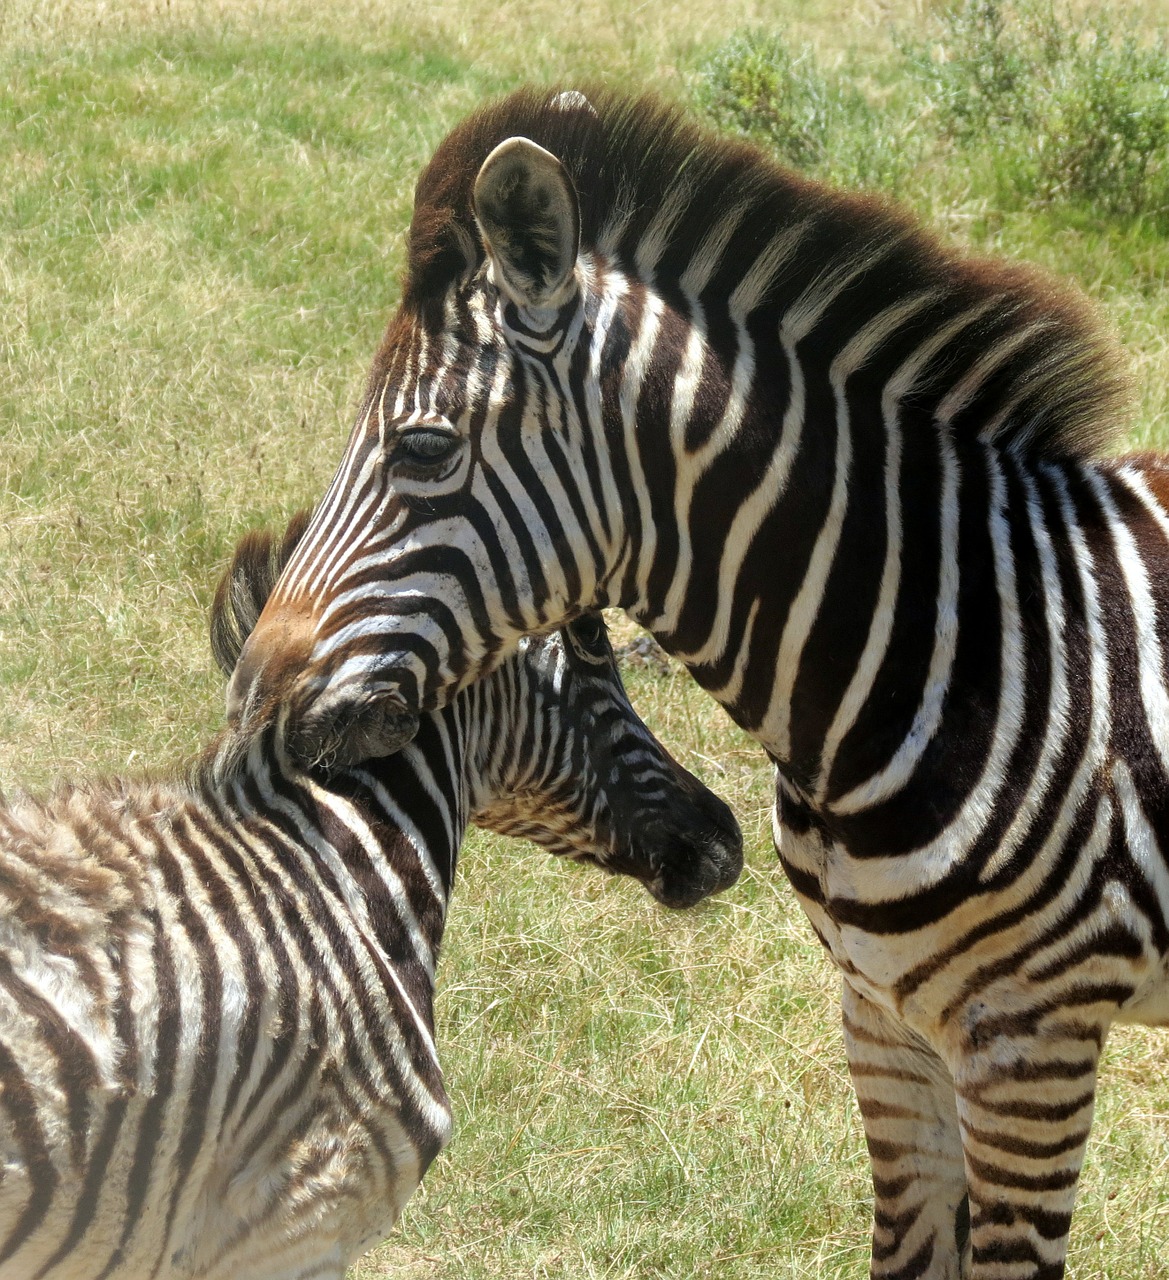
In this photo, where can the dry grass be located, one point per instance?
(199, 245)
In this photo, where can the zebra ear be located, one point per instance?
(527, 210)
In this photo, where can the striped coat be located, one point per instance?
(217, 1052)
(852, 478)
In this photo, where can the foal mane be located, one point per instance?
(246, 584)
(645, 172)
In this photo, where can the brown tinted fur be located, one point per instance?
(245, 586)
(1064, 383)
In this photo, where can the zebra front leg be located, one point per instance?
(906, 1097)
(1025, 1108)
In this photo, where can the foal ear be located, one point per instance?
(528, 212)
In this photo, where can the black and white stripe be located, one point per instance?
(849, 477)
(217, 1052)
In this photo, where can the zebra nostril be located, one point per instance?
(726, 843)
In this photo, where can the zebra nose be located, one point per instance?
(705, 853)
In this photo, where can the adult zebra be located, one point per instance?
(217, 1051)
(846, 475)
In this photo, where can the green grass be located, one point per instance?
(1022, 101)
(200, 241)
(1018, 127)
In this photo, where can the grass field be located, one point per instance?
(200, 240)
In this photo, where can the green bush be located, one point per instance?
(1068, 108)
(756, 85)
(816, 121)
(1032, 105)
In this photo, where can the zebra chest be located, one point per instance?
(818, 868)
(1149, 1005)
(327, 1181)
(259, 1108)
(342, 1112)
(836, 896)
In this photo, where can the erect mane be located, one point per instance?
(1054, 388)
(246, 584)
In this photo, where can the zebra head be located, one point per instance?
(554, 751)
(600, 787)
(475, 502)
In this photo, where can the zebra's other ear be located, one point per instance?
(528, 213)
(247, 582)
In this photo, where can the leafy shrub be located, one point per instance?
(1070, 109)
(1034, 105)
(756, 85)
(815, 120)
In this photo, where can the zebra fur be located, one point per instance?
(849, 476)
(217, 1053)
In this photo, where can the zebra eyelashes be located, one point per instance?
(423, 451)
(529, 217)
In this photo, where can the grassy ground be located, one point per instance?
(200, 238)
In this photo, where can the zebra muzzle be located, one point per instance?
(363, 730)
(698, 857)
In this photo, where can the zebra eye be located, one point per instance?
(424, 447)
(590, 630)
(589, 639)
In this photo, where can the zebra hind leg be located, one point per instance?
(906, 1097)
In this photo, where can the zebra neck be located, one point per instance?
(382, 838)
(820, 557)
(501, 721)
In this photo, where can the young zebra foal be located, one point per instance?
(216, 1031)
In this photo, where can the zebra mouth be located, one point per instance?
(363, 730)
(680, 894)
(699, 861)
